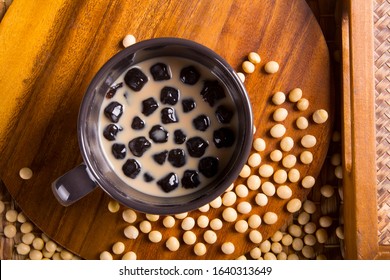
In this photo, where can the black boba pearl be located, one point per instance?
(119, 151)
(110, 132)
(169, 95)
(137, 123)
(179, 136)
(138, 146)
(177, 157)
(223, 137)
(168, 115)
(131, 168)
(160, 72)
(160, 157)
(135, 79)
(196, 146)
(189, 75)
(212, 92)
(113, 111)
(158, 134)
(112, 90)
(208, 166)
(224, 114)
(201, 122)
(149, 105)
(169, 182)
(148, 178)
(190, 179)
(188, 105)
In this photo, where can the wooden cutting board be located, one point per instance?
(49, 52)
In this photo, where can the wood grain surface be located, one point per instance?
(49, 52)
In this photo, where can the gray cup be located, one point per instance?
(96, 171)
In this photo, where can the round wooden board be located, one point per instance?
(53, 53)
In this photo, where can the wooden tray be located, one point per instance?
(363, 222)
(65, 43)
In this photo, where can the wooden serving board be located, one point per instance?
(49, 52)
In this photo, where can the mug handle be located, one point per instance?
(73, 185)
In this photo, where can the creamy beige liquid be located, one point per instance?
(132, 107)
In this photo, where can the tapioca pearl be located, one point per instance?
(177, 157)
(253, 182)
(259, 144)
(229, 214)
(287, 240)
(137, 124)
(293, 175)
(230, 188)
(265, 246)
(278, 98)
(113, 111)
(152, 217)
(145, 226)
(50, 246)
(113, 206)
(303, 218)
(210, 237)
(11, 215)
(129, 216)
(129, 256)
(308, 182)
(2, 207)
(254, 221)
(118, 248)
(254, 57)
(276, 247)
(270, 218)
(276, 155)
(131, 232)
(37, 243)
(241, 190)
(294, 230)
(255, 236)
(280, 176)
(169, 182)
(25, 173)
(66, 255)
(254, 160)
(303, 104)
(280, 114)
(129, 40)
(309, 206)
(269, 256)
(35, 255)
(205, 208)
(245, 171)
(28, 238)
(309, 240)
(255, 253)
(292, 256)
(297, 244)
(261, 199)
(308, 141)
(338, 172)
(277, 236)
(229, 198)
(248, 67)
(294, 205)
(21, 218)
(216, 203)
(306, 157)
(172, 244)
(241, 76)
(212, 92)
(335, 159)
(295, 95)
(9, 231)
(244, 207)
(202, 221)
(223, 137)
(336, 136)
(302, 123)
(282, 256)
(26, 227)
(277, 131)
(266, 170)
(200, 249)
(310, 228)
(208, 166)
(271, 67)
(284, 192)
(216, 224)
(169, 222)
(169, 95)
(201, 122)
(325, 221)
(181, 216)
(321, 235)
(321, 257)
(23, 249)
(289, 161)
(286, 144)
(340, 232)
(188, 223)
(228, 248)
(155, 236)
(268, 189)
(320, 116)
(308, 252)
(189, 237)
(241, 226)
